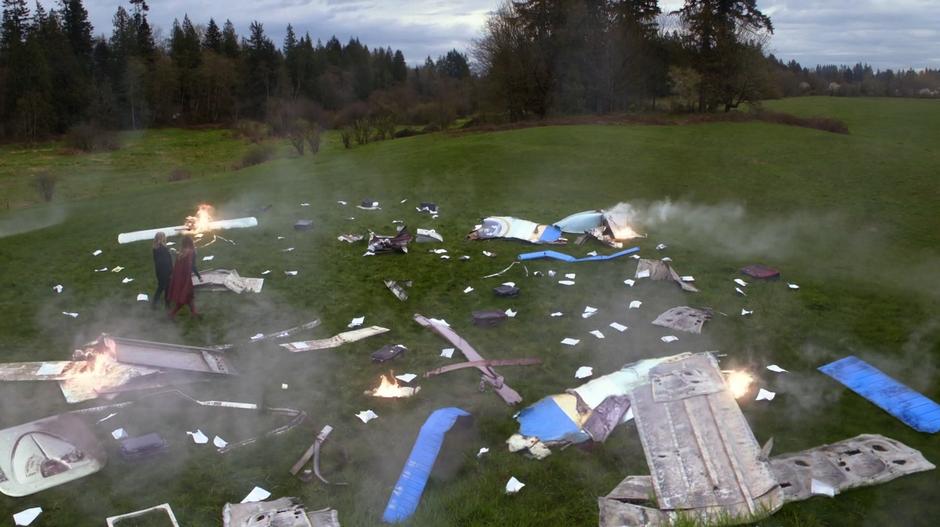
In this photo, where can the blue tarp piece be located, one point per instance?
(546, 421)
(550, 234)
(555, 255)
(414, 476)
(911, 407)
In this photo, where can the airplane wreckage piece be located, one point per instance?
(610, 227)
(47, 452)
(379, 244)
(509, 227)
(397, 287)
(489, 375)
(683, 318)
(661, 270)
(238, 223)
(313, 452)
(287, 332)
(335, 341)
(555, 255)
(159, 355)
(118, 521)
(227, 280)
(283, 512)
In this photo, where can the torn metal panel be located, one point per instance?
(313, 452)
(283, 512)
(118, 521)
(379, 244)
(489, 374)
(397, 287)
(336, 340)
(388, 352)
(482, 363)
(350, 238)
(760, 271)
(616, 513)
(861, 461)
(47, 452)
(661, 270)
(38, 371)
(103, 375)
(489, 318)
(159, 355)
(607, 416)
(702, 454)
(303, 225)
(581, 222)
(509, 227)
(227, 280)
(288, 332)
(237, 223)
(428, 236)
(506, 291)
(683, 318)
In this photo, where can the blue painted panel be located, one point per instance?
(555, 255)
(546, 421)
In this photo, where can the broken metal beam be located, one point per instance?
(483, 363)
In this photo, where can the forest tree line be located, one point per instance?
(535, 58)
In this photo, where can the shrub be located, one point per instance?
(257, 155)
(45, 185)
(313, 138)
(406, 132)
(346, 135)
(362, 131)
(90, 138)
(179, 174)
(253, 131)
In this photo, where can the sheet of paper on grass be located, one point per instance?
(669, 338)
(510, 313)
(776, 369)
(367, 415)
(198, 437)
(619, 327)
(566, 282)
(597, 334)
(356, 322)
(514, 485)
(96, 252)
(765, 395)
(447, 353)
(406, 377)
(740, 282)
(745, 312)
(142, 297)
(570, 341)
(27, 516)
(256, 494)
(635, 304)
(629, 282)
(583, 372)
(219, 442)
(793, 286)
(482, 451)
(556, 314)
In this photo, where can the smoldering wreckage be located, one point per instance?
(704, 460)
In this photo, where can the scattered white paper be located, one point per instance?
(367, 415)
(667, 259)
(341, 202)
(170, 244)
(117, 269)
(745, 312)
(290, 273)
(406, 377)
(356, 322)
(645, 273)
(281, 238)
(208, 258)
(570, 276)
(48, 368)
(740, 282)
(284, 386)
(660, 247)
(509, 284)
(551, 273)
(304, 204)
(738, 291)
(26, 517)
(556, 314)
(635, 304)
(776, 369)
(597, 333)
(468, 290)
(584, 371)
(514, 485)
(669, 338)
(619, 327)
(109, 416)
(198, 437)
(102, 270)
(438, 251)
(511, 314)
(257, 336)
(142, 297)
(289, 249)
(265, 272)
(793, 286)
(570, 341)
(566, 282)
(465, 257)
(447, 353)
(256, 494)
(592, 253)
(489, 254)
(588, 311)
(57, 288)
(629, 282)
(688, 278)
(445, 257)
(70, 314)
(127, 280)
(765, 395)
(96, 252)
(482, 451)
(219, 442)
(119, 433)
(403, 201)
(635, 256)
(818, 488)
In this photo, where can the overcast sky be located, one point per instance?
(884, 33)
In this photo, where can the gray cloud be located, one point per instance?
(884, 33)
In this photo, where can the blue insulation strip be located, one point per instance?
(555, 255)
(414, 476)
(911, 407)
(546, 421)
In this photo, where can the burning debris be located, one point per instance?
(390, 389)
(200, 223)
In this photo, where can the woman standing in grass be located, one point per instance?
(163, 265)
(181, 282)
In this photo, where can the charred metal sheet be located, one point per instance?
(283, 512)
(506, 291)
(48, 452)
(335, 341)
(489, 374)
(683, 318)
(118, 521)
(702, 454)
(96, 377)
(862, 461)
(160, 355)
(288, 332)
(226, 280)
(397, 287)
(661, 270)
(388, 352)
(379, 244)
(607, 416)
(483, 363)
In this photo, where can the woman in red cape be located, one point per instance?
(181, 281)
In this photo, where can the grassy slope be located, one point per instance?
(852, 219)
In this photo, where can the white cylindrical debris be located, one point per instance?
(237, 223)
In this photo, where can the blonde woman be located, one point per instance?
(163, 265)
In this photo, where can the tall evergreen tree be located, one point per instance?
(78, 28)
(212, 40)
(229, 40)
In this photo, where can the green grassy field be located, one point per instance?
(851, 218)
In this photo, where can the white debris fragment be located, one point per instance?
(257, 336)
(619, 327)
(96, 252)
(406, 377)
(635, 304)
(447, 353)
(265, 272)
(818, 488)
(127, 280)
(468, 290)
(568, 341)
(219, 442)
(551, 273)
(510, 313)
(465, 257)
(289, 249)
(597, 333)
(117, 269)
(284, 386)
(281, 238)
(592, 253)
(198, 437)
(630, 282)
(740, 282)
(793, 286)
(102, 270)
(589, 312)
(256, 494)
(439, 322)
(566, 282)
(103, 419)
(305, 204)
(356, 322)
(509, 284)
(514, 485)
(570, 276)
(290, 273)
(488, 254)
(635, 256)
(629, 415)
(667, 259)
(404, 201)
(688, 278)
(765, 395)
(738, 291)
(119, 433)
(482, 451)
(584, 371)
(208, 258)
(343, 203)
(745, 312)
(57, 288)
(660, 247)
(27, 516)
(142, 297)
(669, 338)
(438, 251)
(367, 415)
(645, 273)
(50, 368)
(70, 314)
(445, 257)
(776, 369)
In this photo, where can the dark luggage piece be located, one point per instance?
(303, 225)
(507, 291)
(369, 204)
(488, 318)
(760, 271)
(142, 447)
(388, 352)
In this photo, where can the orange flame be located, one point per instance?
(201, 222)
(389, 387)
(739, 382)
